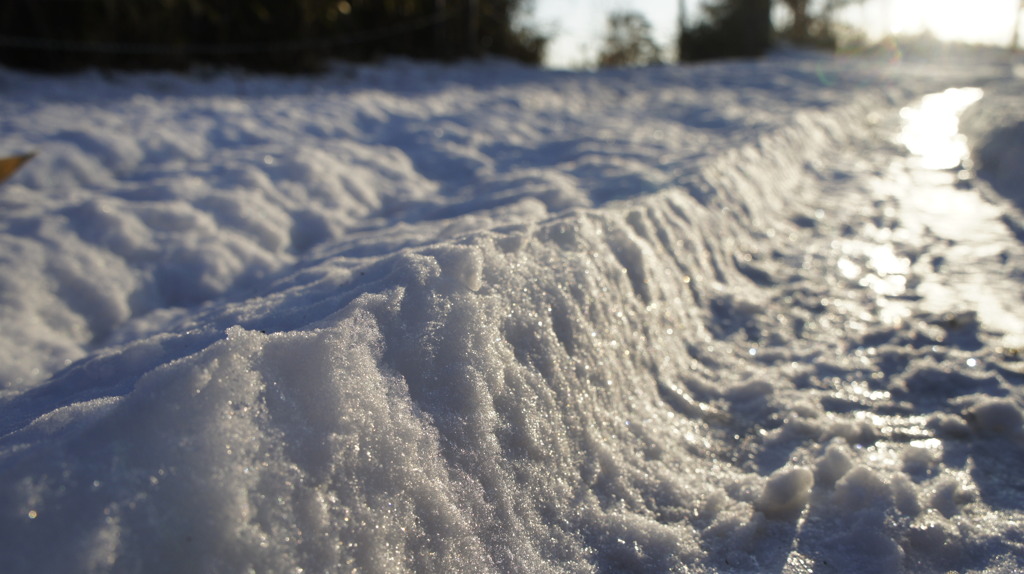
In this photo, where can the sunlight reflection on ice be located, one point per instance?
(932, 130)
(972, 228)
(879, 267)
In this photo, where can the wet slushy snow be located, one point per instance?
(483, 318)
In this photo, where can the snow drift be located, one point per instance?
(996, 131)
(481, 318)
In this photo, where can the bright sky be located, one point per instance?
(579, 24)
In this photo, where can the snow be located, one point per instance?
(474, 318)
(998, 138)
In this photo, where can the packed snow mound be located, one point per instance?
(995, 128)
(482, 319)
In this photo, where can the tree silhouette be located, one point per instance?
(628, 42)
(292, 35)
(731, 28)
(1015, 42)
(813, 28)
(801, 27)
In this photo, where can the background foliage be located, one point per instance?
(731, 28)
(292, 35)
(743, 28)
(628, 41)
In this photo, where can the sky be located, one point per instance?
(578, 25)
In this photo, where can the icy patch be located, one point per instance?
(932, 129)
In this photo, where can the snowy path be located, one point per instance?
(484, 318)
(929, 297)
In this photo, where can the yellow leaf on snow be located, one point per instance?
(9, 165)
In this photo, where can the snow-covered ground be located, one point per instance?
(484, 318)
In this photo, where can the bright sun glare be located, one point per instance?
(976, 21)
(580, 23)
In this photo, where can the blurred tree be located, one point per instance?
(816, 27)
(1015, 41)
(801, 26)
(628, 42)
(731, 28)
(293, 35)
(744, 27)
